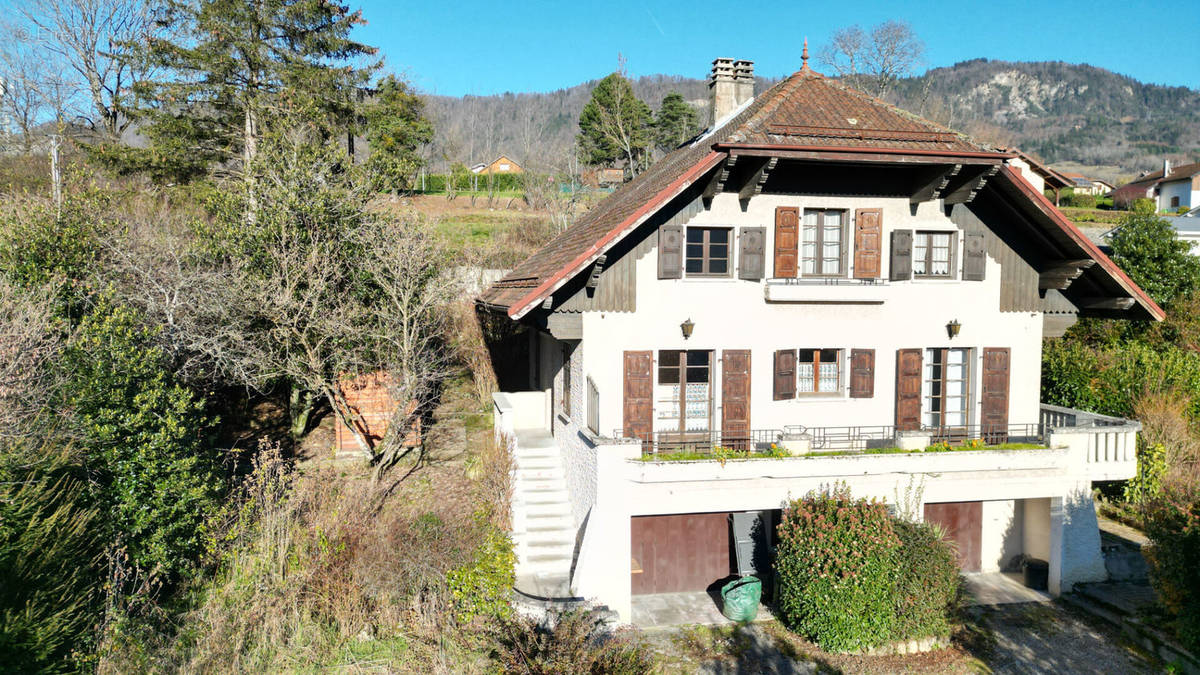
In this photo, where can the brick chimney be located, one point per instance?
(743, 73)
(723, 89)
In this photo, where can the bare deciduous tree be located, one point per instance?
(92, 36)
(872, 62)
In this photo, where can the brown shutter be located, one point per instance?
(868, 242)
(638, 417)
(862, 373)
(787, 240)
(975, 257)
(735, 398)
(994, 394)
(908, 389)
(751, 253)
(901, 263)
(670, 252)
(785, 374)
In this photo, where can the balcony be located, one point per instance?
(1099, 447)
(826, 291)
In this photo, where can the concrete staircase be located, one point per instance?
(543, 527)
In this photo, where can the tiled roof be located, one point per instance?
(805, 109)
(1180, 172)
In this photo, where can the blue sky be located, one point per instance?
(471, 47)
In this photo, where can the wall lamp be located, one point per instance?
(687, 327)
(952, 328)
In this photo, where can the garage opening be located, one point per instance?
(677, 553)
(963, 522)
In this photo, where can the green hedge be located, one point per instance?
(927, 581)
(1110, 380)
(835, 566)
(1173, 525)
(852, 577)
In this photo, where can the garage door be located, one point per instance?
(964, 526)
(679, 553)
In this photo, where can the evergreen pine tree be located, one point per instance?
(615, 125)
(675, 123)
(228, 67)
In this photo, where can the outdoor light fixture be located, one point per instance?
(687, 327)
(952, 328)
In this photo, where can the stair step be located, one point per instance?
(547, 509)
(536, 474)
(548, 462)
(546, 497)
(549, 521)
(544, 451)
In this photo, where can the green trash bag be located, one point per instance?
(739, 599)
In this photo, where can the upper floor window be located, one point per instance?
(933, 254)
(1175, 202)
(823, 253)
(708, 251)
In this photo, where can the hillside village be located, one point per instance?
(853, 368)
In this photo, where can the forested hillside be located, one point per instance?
(1065, 113)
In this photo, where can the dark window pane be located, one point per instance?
(698, 357)
(828, 356)
(695, 235)
(668, 375)
(718, 251)
(806, 355)
(717, 267)
(669, 357)
(695, 250)
(718, 236)
(697, 374)
(695, 266)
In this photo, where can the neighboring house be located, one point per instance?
(501, 164)
(1037, 174)
(825, 274)
(1082, 185)
(1171, 187)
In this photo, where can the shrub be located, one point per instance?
(927, 581)
(482, 588)
(568, 643)
(835, 565)
(1172, 523)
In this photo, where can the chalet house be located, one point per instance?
(1037, 174)
(819, 288)
(1171, 187)
(501, 164)
(1087, 186)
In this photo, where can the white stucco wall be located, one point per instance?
(1032, 177)
(1180, 188)
(578, 455)
(733, 314)
(1002, 531)
(1036, 534)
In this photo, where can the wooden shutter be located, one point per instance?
(994, 394)
(862, 373)
(785, 374)
(901, 263)
(751, 253)
(735, 398)
(670, 252)
(908, 389)
(638, 417)
(787, 241)
(868, 243)
(974, 257)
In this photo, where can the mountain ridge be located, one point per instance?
(1073, 116)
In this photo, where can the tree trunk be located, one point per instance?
(300, 408)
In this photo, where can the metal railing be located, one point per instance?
(705, 442)
(847, 438)
(990, 434)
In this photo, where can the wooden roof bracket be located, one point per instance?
(597, 267)
(966, 194)
(1060, 276)
(1120, 304)
(716, 184)
(932, 185)
(755, 181)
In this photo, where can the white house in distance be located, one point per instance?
(822, 273)
(1171, 187)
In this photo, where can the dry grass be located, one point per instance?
(1164, 418)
